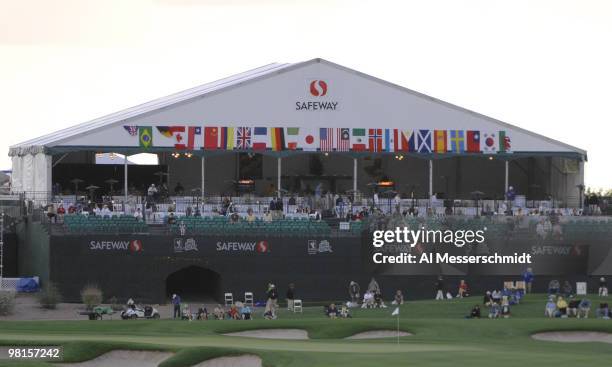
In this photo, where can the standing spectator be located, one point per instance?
(567, 289)
(373, 286)
(528, 279)
(176, 303)
(553, 287)
(440, 288)
(354, 293)
(138, 214)
(603, 287)
(463, 289)
(399, 298)
(272, 302)
(290, 296)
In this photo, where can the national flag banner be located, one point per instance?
(505, 145)
(243, 138)
(308, 139)
(227, 138)
(292, 137)
(358, 140)
(388, 140)
(424, 141)
(490, 142)
(211, 137)
(440, 141)
(343, 139)
(192, 131)
(375, 141)
(260, 138)
(131, 129)
(175, 133)
(457, 141)
(400, 140)
(326, 139)
(277, 137)
(472, 141)
(145, 136)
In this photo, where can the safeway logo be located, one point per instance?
(318, 88)
(262, 246)
(135, 246)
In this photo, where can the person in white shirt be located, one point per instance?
(138, 214)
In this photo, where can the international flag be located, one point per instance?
(457, 141)
(490, 142)
(227, 138)
(260, 138)
(400, 140)
(424, 141)
(145, 136)
(243, 138)
(375, 140)
(473, 141)
(277, 137)
(211, 137)
(308, 139)
(326, 139)
(192, 131)
(131, 129)
(387, 140)
(169, 131)
(292, 137)
(343, 139)
(505, 145)
(440, 141)
(358, 141)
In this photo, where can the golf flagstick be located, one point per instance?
(396, 313)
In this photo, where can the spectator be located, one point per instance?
(505, 308)
(245, 312)
(603, 287)
(561, 307)
(399, 298)
(584, 308)
(61, 211)
(267, 216)
(233, 313)
(487, 300)
(152, 192)
(354, 293)
(567, 289)
(475, 312)
(553, 287)
(234, 217)
(290, 296)
(345, 313)
(51, 213)
(250, 217)
(331, 311)
(378, 301)
(496, 296)
(138, 214)
(551, 307)
(528, 279)
(106, 211)
(463, 289)
(368, 300)
(373, 286)
(219, 312)
(171, 218)
(494, 310)
(272, 302)
(603, 311)
(440, 288)
(572, 307)
(176, 303)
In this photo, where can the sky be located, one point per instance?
(542, 65)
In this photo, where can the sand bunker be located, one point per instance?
(574, 336)
(238, 361)
(124, 358)
(378, 334)
(272, 334)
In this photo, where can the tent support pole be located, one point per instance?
(506, 163)
(125, 183)
(278, 176)
(430, 178)
(203, 166)
(354, 179)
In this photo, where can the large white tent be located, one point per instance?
(287, 109)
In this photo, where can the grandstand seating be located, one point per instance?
(96, 224)
(280, 227)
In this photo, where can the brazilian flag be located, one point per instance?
(145, 136)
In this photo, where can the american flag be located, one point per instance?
(131, 129)
(243, 138)
(343, 140)
(326, 139)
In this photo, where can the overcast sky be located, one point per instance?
(542, 65)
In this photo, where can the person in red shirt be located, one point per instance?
(463, 289)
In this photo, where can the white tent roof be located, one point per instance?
(271, 95)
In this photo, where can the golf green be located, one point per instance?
(441, 337)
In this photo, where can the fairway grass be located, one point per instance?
(441, 337)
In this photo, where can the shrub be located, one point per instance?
(7, 302)
(91, 296)
(49, 297)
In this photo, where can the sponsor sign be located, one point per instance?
(317, 247)
(185, 245)
(317, 89)
(131, 246)
(243, 246)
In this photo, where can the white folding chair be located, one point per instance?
(229, 299)
(248, 298)
(297, 305)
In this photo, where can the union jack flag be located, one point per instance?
(131, 129)
(243, 138)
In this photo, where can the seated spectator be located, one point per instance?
(234, 217)
(106, 211)
(219, 312)
(474, 313)
(505, 308)
(61, 211)
(572, 307)
(603, 311)
(567, 289)
(267, 217)
(496, 296)
(202, 313)
(553, 287)
(233, 313)
(603, 287)
(398, 299)
(138, 214)
(331, 311)
(345, 313)
(487, 300)
(378, 300)
(494, 310)
(551, 307)
(246, 312)
(584, 307)
(171, 218)
(561, 307)
(368, 300)
(463, 289)
(250, 217)
(72, 209)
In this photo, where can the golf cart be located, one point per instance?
(137, 312)
(97, 312)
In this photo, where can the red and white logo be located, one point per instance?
(318, 88)
(135, 246)
(262, 246)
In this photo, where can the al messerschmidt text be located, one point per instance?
(439, 258)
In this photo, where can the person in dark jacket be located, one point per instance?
(272, 302)
(290, 296)
(176, 303)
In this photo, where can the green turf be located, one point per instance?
(442, 337)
